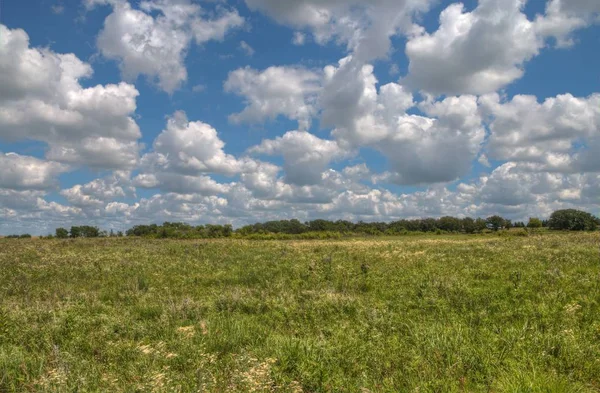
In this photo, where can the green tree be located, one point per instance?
(450, 224)
(468, 225)
(62, 233)
(534, 223)
(496, 222)
(572, 220)
(75, 232)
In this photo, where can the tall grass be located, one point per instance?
(409, 314)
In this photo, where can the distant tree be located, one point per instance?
(572, 220)
(75, 232)
(534, 223)
(62, 233)
(89, 231)
(450, 224)
(119, 234)
(25, 236)
(428, 225)
(468, 225)
(496, 222)
(480, 224)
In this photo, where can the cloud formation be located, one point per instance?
(156, 45)
(41, 99)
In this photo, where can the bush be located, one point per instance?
(534, 223)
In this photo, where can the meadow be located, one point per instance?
(447, 313)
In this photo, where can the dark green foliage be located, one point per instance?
(84, 231)
(572, 220)
(62, 233)
(496, 222)
(179, 230)
(563, 219)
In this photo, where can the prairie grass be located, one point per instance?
(406, 314)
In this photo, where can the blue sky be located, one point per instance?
(116, 112)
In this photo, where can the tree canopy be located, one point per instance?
(572, 220)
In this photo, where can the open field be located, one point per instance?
(407, 314)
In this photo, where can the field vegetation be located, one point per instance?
(517, 312)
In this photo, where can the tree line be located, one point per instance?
(569, 219)
(565, 220)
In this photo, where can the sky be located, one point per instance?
(122, 112)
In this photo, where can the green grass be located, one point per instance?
(409, 314)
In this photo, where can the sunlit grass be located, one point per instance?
(408, 314)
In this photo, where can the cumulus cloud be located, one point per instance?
(522, 129)
(486, 49)
(306, 156)
(100, 191)
(26, 211)
(420, 149)
(23, 172)
(185, 154)
(287, 91)
(41, 99)
(191, 147)
(520, 190)
(364, 27)
(156, 46)
(563, 17)
(473, 52)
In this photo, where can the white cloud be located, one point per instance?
(27, 211)
(306, 156)
(58, 9)
(365, 27)
(41, 99)
(486, 49)
(28, 173)
(173, 207)
(483, 160)
(246, 48)
(99, 191)
(198, 88)
(183, 156)
(563, 17)
(190, 148)
(287, 91)
(473, 52)
(299, 38)
(420, 149)
(182, 184)
(357, 172)
(524, 130)
(156, 46)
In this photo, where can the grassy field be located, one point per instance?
(408, 314)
